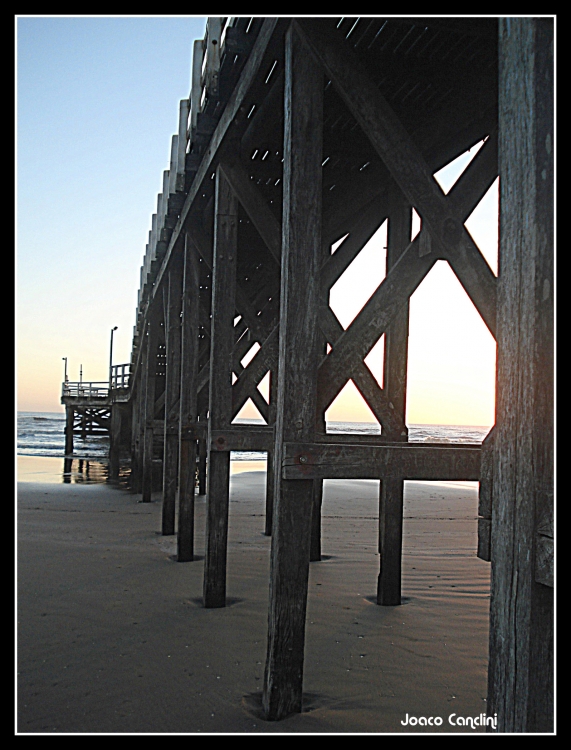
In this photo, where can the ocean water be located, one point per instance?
(42, 434)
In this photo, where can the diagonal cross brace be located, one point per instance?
(407, 166)
(363, 378)
(401, 281)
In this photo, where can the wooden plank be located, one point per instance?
(407, 166)
(242, 438)
(188, 403)
(172, 397)
(220, 400)
(298, 359)
(305, 460)
(183, 113)
(521, 659)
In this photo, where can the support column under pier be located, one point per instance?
(172, 395)
(150, 366)
(394, 383)
(220, 408)
(188, 403)
(297, 374)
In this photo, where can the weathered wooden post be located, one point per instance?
(220, 409)
(202, 453)
(68, 460)
(136, 463)
(69, 416)
(394, 384)
(270, 478)
(172, 396)
(188, 403)
(297, 375)
(114, 440)
(520, 675)
(150, 366)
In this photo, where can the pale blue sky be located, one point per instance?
(97, 104)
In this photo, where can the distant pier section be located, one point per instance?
(98, 408)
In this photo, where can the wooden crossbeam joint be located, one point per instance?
(409, 461)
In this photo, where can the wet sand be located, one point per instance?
(113, 638)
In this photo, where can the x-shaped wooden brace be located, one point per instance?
(443, 236)
(270, 231)
(248, 388)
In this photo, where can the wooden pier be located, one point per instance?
(99, 408)
(298, 134)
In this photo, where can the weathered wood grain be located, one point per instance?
(313, 460)
(390, 541)
(242, 438)
(172, 396)
(485, 498)
(188, 403)
(298, 359)
(220, 399)
(520, 675)
(149, 403)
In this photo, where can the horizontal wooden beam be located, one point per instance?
(429, 462)
(242, 438)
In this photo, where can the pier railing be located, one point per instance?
(93, 390)
(120, 375)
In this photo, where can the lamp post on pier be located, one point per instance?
(65, 370)
(111, 359)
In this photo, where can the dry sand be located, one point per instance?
(112, 636)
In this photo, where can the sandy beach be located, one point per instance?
(113, 638)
